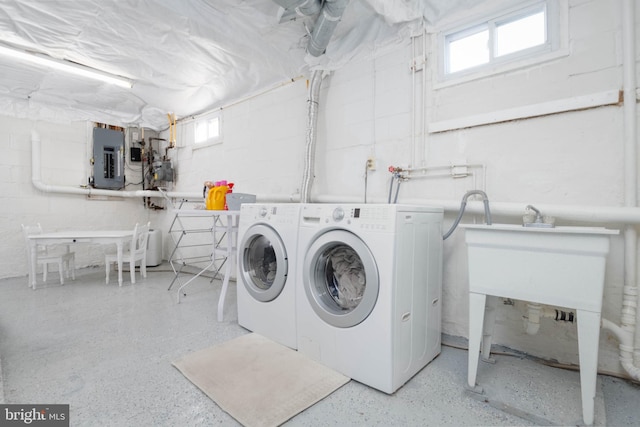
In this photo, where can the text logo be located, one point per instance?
(34, 415)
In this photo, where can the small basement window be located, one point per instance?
(501, 41)
(208, 130)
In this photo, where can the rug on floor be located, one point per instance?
(259, 382)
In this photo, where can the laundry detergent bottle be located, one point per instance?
(207, 194)
(229, 190)
(219, 193)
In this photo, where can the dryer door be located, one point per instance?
(263, 263)
(340, 278)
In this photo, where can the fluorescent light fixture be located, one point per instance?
(66, 66)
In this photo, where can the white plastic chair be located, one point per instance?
(137, 251)
(65, 261)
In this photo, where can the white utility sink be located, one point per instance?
(560, 266)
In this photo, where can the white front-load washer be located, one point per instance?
(369, 304)
(267, 241)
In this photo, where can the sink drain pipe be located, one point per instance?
(536, 311)
(627, 332)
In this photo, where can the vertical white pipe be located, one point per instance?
(630, 126)
(630, 151)
(423, 150)
(413, 102)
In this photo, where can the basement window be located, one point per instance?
(208, 130)
(503, 41)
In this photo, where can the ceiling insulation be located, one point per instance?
(183, 57)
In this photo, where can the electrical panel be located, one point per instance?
(108, 158)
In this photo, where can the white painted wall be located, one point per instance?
(366, 109)
(66, 149)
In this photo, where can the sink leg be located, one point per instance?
(588, 342)
(476, 320)
(490, 309)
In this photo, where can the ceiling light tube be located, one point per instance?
(66, 66)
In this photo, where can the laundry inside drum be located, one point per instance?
(263, 262)
(345, 276)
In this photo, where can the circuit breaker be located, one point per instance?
(108, 158)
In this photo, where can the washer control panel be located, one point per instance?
(360, 216)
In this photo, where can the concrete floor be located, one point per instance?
(107, 352)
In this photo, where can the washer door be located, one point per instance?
(263, 263)
(341, 278)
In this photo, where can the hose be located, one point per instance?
(463, 206)
(395, 176)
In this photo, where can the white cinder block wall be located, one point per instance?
(368, 109)
(65, 155)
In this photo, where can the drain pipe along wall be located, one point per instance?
(629, 319)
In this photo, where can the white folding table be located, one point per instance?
(103, 237)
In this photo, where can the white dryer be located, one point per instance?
(267, 241)
(369, 305)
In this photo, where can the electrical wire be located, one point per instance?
(521, 355)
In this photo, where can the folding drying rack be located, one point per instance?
(203, 236)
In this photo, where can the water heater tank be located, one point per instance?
(154, 248)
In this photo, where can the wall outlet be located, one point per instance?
(371, 164)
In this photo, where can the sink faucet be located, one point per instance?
(538, 214)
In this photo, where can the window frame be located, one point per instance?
(210, 140)
(555, 45)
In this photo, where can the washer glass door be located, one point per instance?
(340, 278)
(263, 263)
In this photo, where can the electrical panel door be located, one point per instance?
(108, 158)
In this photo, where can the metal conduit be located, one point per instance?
(330, 14)
(310, 147)
(326, 23)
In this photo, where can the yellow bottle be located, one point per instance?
(209, 200)
(208, 194)
(219, 195)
